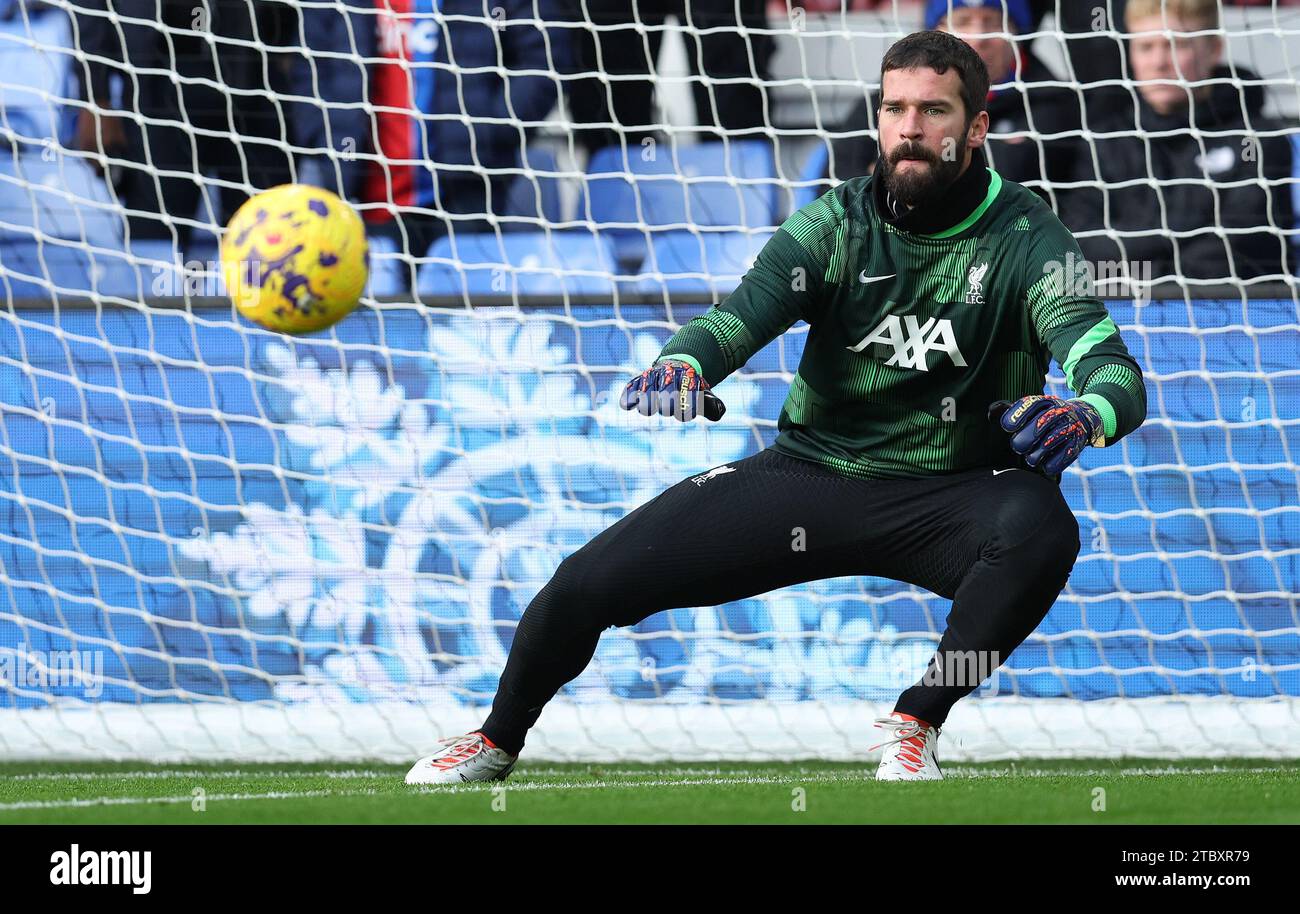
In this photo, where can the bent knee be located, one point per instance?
(597, 591)
(1032, 516)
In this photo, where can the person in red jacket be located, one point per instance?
(460, 89)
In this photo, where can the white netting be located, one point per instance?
(219, 542)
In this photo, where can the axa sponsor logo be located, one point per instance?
(913, 341)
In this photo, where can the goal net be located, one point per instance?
(220, 542)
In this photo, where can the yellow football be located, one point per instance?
(295, 259)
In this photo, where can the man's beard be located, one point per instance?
(916, 186)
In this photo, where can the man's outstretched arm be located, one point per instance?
(1110, 397)
(784, 285)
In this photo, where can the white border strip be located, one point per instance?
(978, 730)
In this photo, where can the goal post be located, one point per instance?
(221, 543)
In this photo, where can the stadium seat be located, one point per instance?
(522, 263)
(34, 71)
(26, 123)
(814, 169)
(205, 238)
(204, 250)
(31, 269)
(667, 190)
(1295, 188)
(388, 271)
(61, 200)
(719, 259)
(166, 270)
(153, 249)
(56, 196)
(195, 266)
(535, 195)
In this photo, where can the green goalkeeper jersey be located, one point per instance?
(911, 336)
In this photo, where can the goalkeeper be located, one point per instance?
(916, 443)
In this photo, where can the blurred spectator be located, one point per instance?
(1188, 160)
(779, 7)
(1044, 109)
(451, 107)
(339, 43)
(135, 50)
(717, 47)
(1095, 58)
(36, 66)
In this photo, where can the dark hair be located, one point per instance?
(938, 51)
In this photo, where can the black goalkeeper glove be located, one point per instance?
(671, 387)
(1048, 432)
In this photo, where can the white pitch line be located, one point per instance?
(179, 773)
(631, 781)
(523, 786)
(954, 769)
(794, 780)
(1107, 772)
(188, 798)
(958, 769)
(519, 787)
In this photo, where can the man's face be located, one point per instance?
(924, 141)
(1161, 65)
(977, 26)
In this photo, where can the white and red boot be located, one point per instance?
(909, 751)
(472, 757)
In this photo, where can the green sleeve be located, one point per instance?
(784, 285)
(1073, 324)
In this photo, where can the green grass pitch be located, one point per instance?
(1132, 790)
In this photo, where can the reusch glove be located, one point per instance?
(1048, 432)
(671, 387)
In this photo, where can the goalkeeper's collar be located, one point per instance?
(950, 208)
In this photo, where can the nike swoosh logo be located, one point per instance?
(1008, 470)
(867, 280)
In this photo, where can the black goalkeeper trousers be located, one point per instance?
(999, 544)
